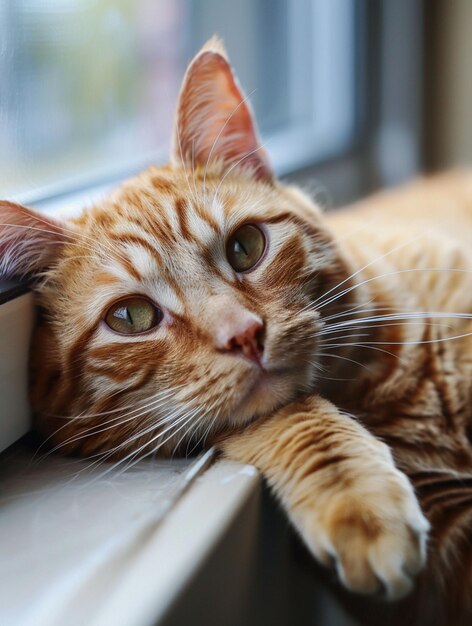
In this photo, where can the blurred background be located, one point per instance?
(354, 94)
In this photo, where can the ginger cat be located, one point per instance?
(204, 302)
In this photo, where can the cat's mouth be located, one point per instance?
(268, 390)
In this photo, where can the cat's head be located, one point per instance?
(182, 304)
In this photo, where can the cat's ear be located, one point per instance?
(214, 120)
(29, 241)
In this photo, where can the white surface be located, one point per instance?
(83, 546)
(16, 320)
(176, 554)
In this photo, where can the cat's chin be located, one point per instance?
(270, 391)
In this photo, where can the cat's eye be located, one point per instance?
(132, 316)
(245, 248)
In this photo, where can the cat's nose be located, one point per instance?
(244, 337)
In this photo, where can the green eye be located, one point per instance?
(132, 316)
(245, 248)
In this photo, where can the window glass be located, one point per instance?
(88, 87)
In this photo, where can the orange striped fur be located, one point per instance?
(366, 366)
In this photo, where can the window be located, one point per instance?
(89, 86)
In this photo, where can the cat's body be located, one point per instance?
(413, 249)
(408, 382)
(205, 302)
(422, 408)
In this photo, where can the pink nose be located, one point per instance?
(245, 338)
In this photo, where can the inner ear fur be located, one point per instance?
(214, 120)
(29, 241)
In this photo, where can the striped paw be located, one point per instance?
(376, 536)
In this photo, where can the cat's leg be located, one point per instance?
(342, 492)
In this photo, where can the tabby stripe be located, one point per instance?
(446, 499)
(73, 372)
(137, 240)
(181, 211)
(162, 184)
(208, 218)
(447, 483)
(317, 465)
(108, 403)
(450, 521)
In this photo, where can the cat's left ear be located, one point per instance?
(214, 121)
(29, 241)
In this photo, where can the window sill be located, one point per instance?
(83, 546)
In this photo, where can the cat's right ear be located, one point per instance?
(214, 120)
(29, 241)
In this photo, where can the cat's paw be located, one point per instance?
(377, 539)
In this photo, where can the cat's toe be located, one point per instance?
(388, 563)
(375, 560)
(396, 559)
(379, 542)
(357, 575)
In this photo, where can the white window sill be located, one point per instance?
(82, 547)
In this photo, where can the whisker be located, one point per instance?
(386, 274)
(329, 331)
(412, 315)
(215, 195)
(364, 267)
(416, 343)
(185, 419)
(207, 430)
(14, 243)
(100, 458)
(184, 165)
(210, 154)
(158, 394)
(365, 345)
(75, 234)
(357, 310)
(115, 422)
(343, 358)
